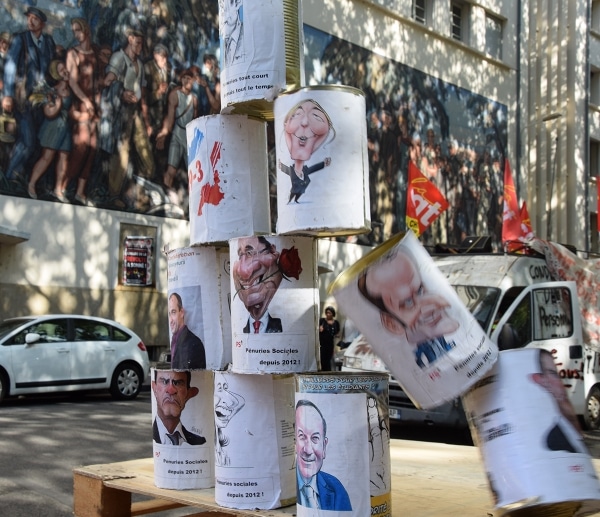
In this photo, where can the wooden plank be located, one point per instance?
(91, 498)
(153, 506)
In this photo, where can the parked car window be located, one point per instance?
(50, 331)
(91, 331)
(118, 335)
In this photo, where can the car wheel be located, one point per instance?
(592, 409)
(4, 386)
(126, 382)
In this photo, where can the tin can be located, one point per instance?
(529, 438)
(182, 430)
(254, 456)
(322, 163)
(274, 304)
(347, 468)
(228, 178)
(198, 308)
(414, 321)
(255, 69)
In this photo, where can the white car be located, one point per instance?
(64, 352)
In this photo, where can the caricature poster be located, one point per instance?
(342, 420)
(254, 425)
(415, 321)
(253, 67)
(198, 312)
(530, 438)
(274, 304)
(322, 164)
(182, 429)
(229, 187)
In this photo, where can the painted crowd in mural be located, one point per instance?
(96, 96)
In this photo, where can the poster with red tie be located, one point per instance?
(274, 304)
(183, 432)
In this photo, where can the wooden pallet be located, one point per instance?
(428, 479)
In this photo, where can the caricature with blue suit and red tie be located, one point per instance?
(315, 488)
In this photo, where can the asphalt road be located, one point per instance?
(43, 438)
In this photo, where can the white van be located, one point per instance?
(515, 300)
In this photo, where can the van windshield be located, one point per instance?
(480, 300)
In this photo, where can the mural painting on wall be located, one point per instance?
(96, 96)
(77, 124)
(455, 137)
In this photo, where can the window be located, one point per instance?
(595, 86)
(49, 331)
(493, 36)
(419, 11)
(459, 21)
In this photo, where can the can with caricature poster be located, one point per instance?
(182, 429)
(254, 68)
(228, 178)
(274, 304)
(348, 411)
(198, 307)
(414, 321)
(254, 446)
(530, 440)
(322, 161)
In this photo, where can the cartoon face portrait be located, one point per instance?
(306, 127)
(172, 390)
(311, 441)
(395, 286)
(227, 403)
(256, 274)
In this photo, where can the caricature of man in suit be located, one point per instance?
(407, 308)
(316, 489)
(187, 350)
(172, 390)
(257, 277)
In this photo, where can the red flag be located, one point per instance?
(598, 203)
(526, 228)
(511, 218)
(424, 203)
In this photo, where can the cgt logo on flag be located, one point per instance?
(424, 204)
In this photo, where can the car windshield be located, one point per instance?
(8, 326)
(480, 300)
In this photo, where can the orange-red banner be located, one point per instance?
(511, 218)
(424, 203)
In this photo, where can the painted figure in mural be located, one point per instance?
(172, 390)
(227, 404)
(209, 86)
(158, 73)
(83, 64)
(159, 77)
(5, 39)
(307, 127)
(27, 62)
(125, 77)
(232, 31)
(315, 488)
(55, 132)
(182, 109)
(395, 287)
(257, 277)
